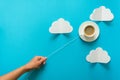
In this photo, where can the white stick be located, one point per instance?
(62, 47)
(54, 52)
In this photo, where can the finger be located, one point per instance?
(38, 57)
(42, 60)
(45, 60)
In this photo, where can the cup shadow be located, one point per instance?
(89, 43)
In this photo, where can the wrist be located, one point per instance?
(25, 68)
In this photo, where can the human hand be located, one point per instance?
(35, 63)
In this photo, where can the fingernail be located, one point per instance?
(44, 63)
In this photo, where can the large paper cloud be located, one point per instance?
(98, 56)
(102, 14)
(60, 26)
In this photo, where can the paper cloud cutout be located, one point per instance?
(98, 56)
(60, 26)
(102, 14)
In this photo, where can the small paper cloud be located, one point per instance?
(60, 26)
(98, 56)
(102, 14)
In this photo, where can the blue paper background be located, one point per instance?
(24, 34)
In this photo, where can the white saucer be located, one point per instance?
(81, 28)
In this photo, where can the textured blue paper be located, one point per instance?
(24, 34)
